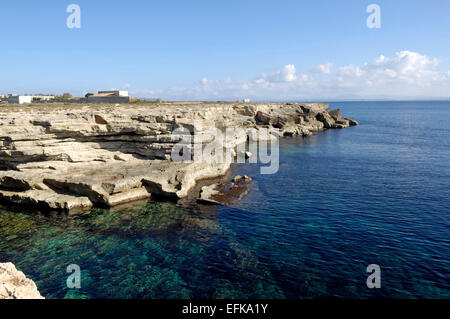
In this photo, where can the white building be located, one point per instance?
(246, 100)
(43, 97)
(110, 97)
(19, 99)
(113, 93)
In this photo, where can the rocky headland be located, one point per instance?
(75, 157)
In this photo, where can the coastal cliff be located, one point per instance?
(66, 157)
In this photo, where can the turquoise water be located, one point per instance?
(343, 199)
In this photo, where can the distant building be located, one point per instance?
(19, 99)
(246, 100)
(109, 97)
(113, 93)
(43, 97)
(22, 99)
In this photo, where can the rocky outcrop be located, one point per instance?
(225, 193)
(70, 157)
(14, 284)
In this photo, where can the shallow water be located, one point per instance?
(343, 199)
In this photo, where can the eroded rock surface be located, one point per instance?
(14, 284)
(225, 193)
(76, 157)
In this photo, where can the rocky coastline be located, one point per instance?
(76, 157)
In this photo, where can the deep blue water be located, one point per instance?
(377, 193)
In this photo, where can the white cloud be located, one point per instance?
(286, 74)
(323, 68)
(405, 74)
(407, 66)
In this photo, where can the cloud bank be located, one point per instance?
(404, 75)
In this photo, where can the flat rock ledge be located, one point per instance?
(225, 193)
(59, 157)
(15, 285)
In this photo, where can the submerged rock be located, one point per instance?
(14, 284)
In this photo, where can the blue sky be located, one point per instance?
(210, 49)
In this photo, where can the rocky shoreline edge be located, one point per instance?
(15, 285)
(70, 158)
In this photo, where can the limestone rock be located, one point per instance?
(225, 193)
(326, 119)
(207, 193)
(242, 179)
(352, 122)
(70, 157)
(14, 284)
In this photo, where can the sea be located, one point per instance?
(342, 200)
